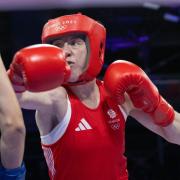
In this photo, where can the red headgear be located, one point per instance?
(78, 23)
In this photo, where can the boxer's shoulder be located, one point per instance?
(57, 94)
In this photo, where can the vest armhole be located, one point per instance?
(59, 130)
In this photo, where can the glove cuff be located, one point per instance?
(164, 113)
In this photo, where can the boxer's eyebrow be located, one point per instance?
(69, 36)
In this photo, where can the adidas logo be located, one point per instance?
(83, 125)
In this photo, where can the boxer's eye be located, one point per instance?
(59, 43)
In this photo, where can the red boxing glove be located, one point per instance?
(39, 68)
(16, 80)
(123, 76)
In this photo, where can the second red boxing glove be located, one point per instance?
(42, 67)
(123, 76)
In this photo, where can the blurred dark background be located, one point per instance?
(146, 35)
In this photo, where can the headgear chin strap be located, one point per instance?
(78, 23)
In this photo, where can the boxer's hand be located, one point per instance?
(39, 68)
(124, 76)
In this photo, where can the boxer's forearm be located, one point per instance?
(171, 132)
(12, 146)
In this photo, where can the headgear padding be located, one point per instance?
(78, 23)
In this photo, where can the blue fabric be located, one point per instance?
(13, 174)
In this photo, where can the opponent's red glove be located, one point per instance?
(39, 68)
(123, 76)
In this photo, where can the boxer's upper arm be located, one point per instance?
(39, 100)
(48, 118)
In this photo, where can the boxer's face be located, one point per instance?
(75, 50)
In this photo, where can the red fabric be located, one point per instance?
(90, 154)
